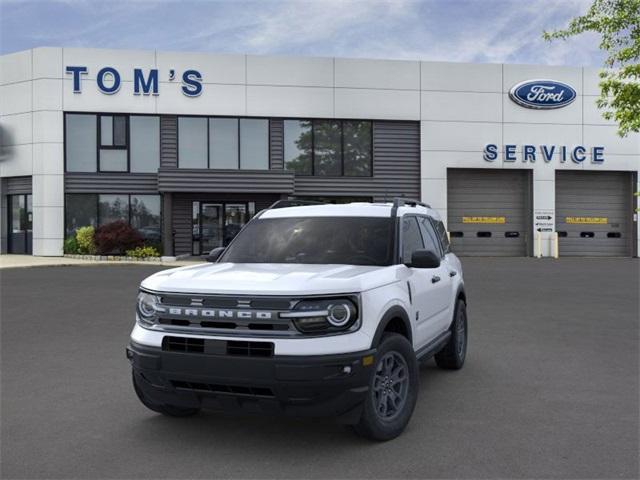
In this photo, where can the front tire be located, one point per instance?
(453, 354)
(393, 390)
(168, 410)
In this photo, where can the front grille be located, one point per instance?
(183, 344)
(217, 347)
(250, 349)
(225, 389)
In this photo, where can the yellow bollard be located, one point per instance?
(556, 245)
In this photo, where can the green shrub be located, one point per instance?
(84, 237)
(143, 252)
(70, 245)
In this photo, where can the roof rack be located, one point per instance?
(401, 202)
(293, 203)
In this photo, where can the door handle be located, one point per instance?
(453, 273)
(435, 279)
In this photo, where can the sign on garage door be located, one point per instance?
(594, 213)
(488, 211)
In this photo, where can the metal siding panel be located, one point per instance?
(488, 193)
(168, 141)
(18, 185)
(594, 194)
(396, 168)
(110, 183)
(276, 144)
(225, 181)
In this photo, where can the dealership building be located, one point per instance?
(187, 147)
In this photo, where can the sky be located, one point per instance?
(486, 31)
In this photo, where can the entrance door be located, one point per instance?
(20, 221)
(211, 225)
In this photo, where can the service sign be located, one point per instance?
(485, 220)
(587, 220)
(542, 94)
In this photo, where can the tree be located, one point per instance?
(618, 23)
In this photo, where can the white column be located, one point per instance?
(544, 202)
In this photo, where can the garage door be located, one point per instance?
(488, 212)
(593, 213)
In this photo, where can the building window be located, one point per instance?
(142, 212)
(254, 144)
(112, 143)
(112, 208)
(328, 147)
(297, 146)
(223, 143)
(80, 211)
(357, 148)
(192, 142)
(80, 142)
(144, 143)
(145, 217)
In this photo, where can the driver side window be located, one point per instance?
(411, 238)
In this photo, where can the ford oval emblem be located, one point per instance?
(542, 94)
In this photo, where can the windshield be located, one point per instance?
(342, 240)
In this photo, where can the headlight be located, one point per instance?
(330, 315)
(147, 307)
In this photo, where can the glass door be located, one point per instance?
(20, 224)
(210, 227)
(235, 216)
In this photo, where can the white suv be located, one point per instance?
(320, 310)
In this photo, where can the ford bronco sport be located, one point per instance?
(320, 310)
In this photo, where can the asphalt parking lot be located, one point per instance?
(550, 388)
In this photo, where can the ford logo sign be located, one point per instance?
(542, 94)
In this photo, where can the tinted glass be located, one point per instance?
(411, 238)
(119, 131)
(442, 233)
(297, 146)
(145, 143)
(357, 148)
(145, 217)
(112, 208)
(80, 210)
(223, 142)
(113, 160)
(254, 144)
(314, 240)
(429, 236)
(106, 130)
(80, 142)
(327, 141)
(192, 142)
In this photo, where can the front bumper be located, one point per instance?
(328, 385)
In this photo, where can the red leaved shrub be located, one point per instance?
(116, 237)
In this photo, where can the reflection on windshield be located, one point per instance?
(317, 240)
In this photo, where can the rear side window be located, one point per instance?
(442, 234)
(411, 238)
(430, 237)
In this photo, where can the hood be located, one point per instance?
(270, 279)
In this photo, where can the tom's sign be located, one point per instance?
(542, 94)
(108, 80)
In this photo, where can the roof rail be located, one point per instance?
(293, 203)
(401, 202)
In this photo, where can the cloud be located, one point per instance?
(445, 30)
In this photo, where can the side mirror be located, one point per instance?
(424, 259)
(214, 254)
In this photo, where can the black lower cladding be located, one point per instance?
(327, 385)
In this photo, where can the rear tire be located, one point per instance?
(453, 354)
(393, 390)
(168, 410)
